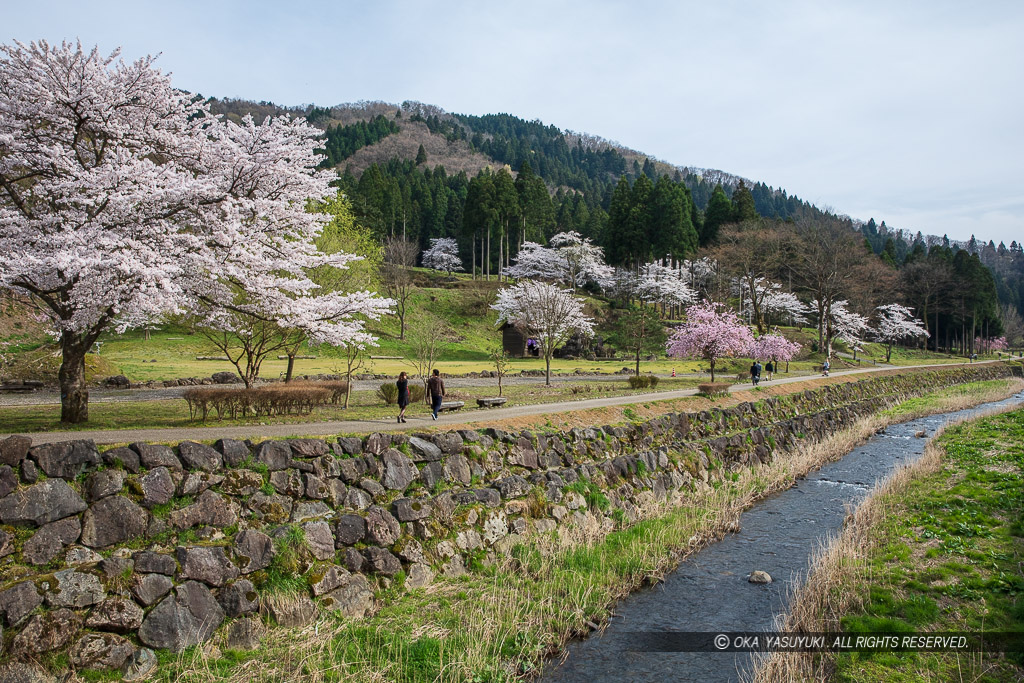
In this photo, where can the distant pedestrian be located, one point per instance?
(435, 390)
(755, 373)
(403, 395)
(825, 367)
(770, 369)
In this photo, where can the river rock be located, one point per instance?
(13, 449)
(309, 448)
(382, 561)
(424, 450)
(8, 480)
(148, 588)
(147, 562)
(66, 459)
(759, 576)
(274, 454)
(241, 482)
(41, 503)
(46, 632)
(411, 509)
(456, 467)
(140, 666)
(189, 617)
(18, 601)
(319, 539)
(354, 599)
(254, 550)
(399, 471)
(208, 564)
(75, 589)
(210, 508)
(51, 539)
(195, 483)
(199, 456)
(116, 614)
(102, 484)
(122, 457)
(157, 487)
(349, 530)
(239, 598)
(381, 526)
(112, 520)
(157, 455)
(102, 651)
(234, 452)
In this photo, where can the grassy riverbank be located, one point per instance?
(501, 622)
(937, 548)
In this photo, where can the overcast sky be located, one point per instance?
(908, 112)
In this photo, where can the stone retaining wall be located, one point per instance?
(106, 555)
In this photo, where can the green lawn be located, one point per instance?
(947, 558)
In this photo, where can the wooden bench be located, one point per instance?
(16, 388)
(491, 402)
(451, 405)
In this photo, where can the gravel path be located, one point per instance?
(386, 425)
(102, 395)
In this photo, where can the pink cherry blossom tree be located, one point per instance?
(710, 332)
(123, 199)
(545, 312)
(443, 254)
(896, 323)
(775, 347)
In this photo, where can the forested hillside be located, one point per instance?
(496, 181)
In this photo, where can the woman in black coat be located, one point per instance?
(403, 395)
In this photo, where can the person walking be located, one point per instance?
(755, 373)
(403, 395)
(825, 367)
(770, 369)
(435, 389)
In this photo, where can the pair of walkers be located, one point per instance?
(435, 390)
(755, 372)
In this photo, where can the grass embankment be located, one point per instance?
(937, 548)
(500, 622)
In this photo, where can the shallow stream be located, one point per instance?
(709, 591)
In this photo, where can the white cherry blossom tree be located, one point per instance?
(662, 284)
(545, 312)
(571, 259)
(896, 323)
(443, 254)
(123, 199)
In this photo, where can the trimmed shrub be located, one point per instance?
(643, 381)
(388, 392)
(281, 399)
(713, 389)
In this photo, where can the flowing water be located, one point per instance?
(709, 591)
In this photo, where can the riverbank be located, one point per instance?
(936, 548)
(502, 621)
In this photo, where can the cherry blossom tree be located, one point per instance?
(664, 285)
(710, 332)
(547, 313)
(896, 323)
(769, 300)
(572, 259)
(123, 199)
(443, 254)
(775, 347)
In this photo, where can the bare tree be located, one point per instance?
(927, 283)
(830, 253)
(396, 275)
(502, 363)
(752, 252)
(430, 337)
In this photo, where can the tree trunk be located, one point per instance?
(712, 370)
(291, 366)
(74, 395)
(638, 362)
(547, 372)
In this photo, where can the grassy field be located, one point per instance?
(460, 304)
(937, 549)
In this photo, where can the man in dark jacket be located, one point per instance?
(755, 373)
(435, 389)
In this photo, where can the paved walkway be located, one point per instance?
(446, 419)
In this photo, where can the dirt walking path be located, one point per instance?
(198, 433)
